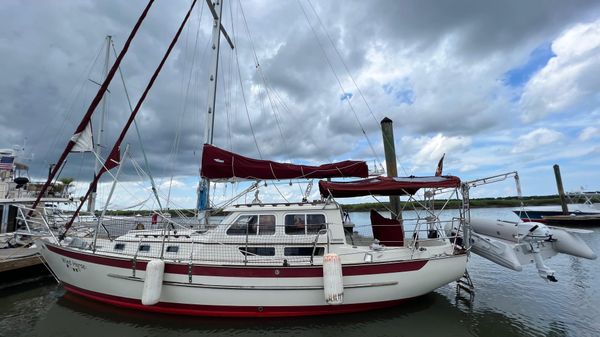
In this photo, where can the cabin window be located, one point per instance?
(259, 251)
(144, 248)
(119, 246)
(253, 225)
(303, 251)
(266, 225)
(245, 224)
(314, 223)
(172, 249)
(295, 224)
(304, 223)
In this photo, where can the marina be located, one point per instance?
(201, 180)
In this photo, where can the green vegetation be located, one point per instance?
(66, 181)
(475, 203)
(65, 184)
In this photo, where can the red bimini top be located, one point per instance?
(385, 186)
(220, 164)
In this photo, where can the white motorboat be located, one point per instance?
(17, 194)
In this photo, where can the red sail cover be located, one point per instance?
(220, 164)
(385, 186)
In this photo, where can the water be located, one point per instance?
(506, 303)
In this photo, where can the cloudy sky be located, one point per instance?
(496, 86)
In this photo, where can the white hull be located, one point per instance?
(249, 291)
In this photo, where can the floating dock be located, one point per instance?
(572, 220)
(20, 264)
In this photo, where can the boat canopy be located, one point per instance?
(385, 186)
(220, 164)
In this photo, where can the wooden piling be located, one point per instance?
(387, 131)
(561, 191)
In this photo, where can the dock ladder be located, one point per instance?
(465, 283)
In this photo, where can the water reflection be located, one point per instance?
(23, 305)
(431, 315)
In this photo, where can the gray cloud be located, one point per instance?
(452, 56)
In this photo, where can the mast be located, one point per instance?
(216, 9)
(86, 118)
(98, 144)
(113, 159)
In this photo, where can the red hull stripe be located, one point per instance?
(230, 311)
(533, 220)
(246, 271)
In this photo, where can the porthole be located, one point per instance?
(172, 249)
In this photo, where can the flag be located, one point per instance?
(83, 140)
(7, 163)
(440, 167)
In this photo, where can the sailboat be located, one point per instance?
(265, 259)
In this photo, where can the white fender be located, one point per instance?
(571, 244)
(333, 282)
(153, 282)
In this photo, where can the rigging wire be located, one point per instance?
(274, 97)
(106, 101)
(79, 173)
(388, 141)
(343, 63)
(131, 194)
(281, 194)
(228, 80)
(270, 93)
(337, 79)
(223, 86)
(242, 91)
(177, 141)
(137, 131)
(262, 76)
(70, 107)
(227, 89)
(281, 102)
